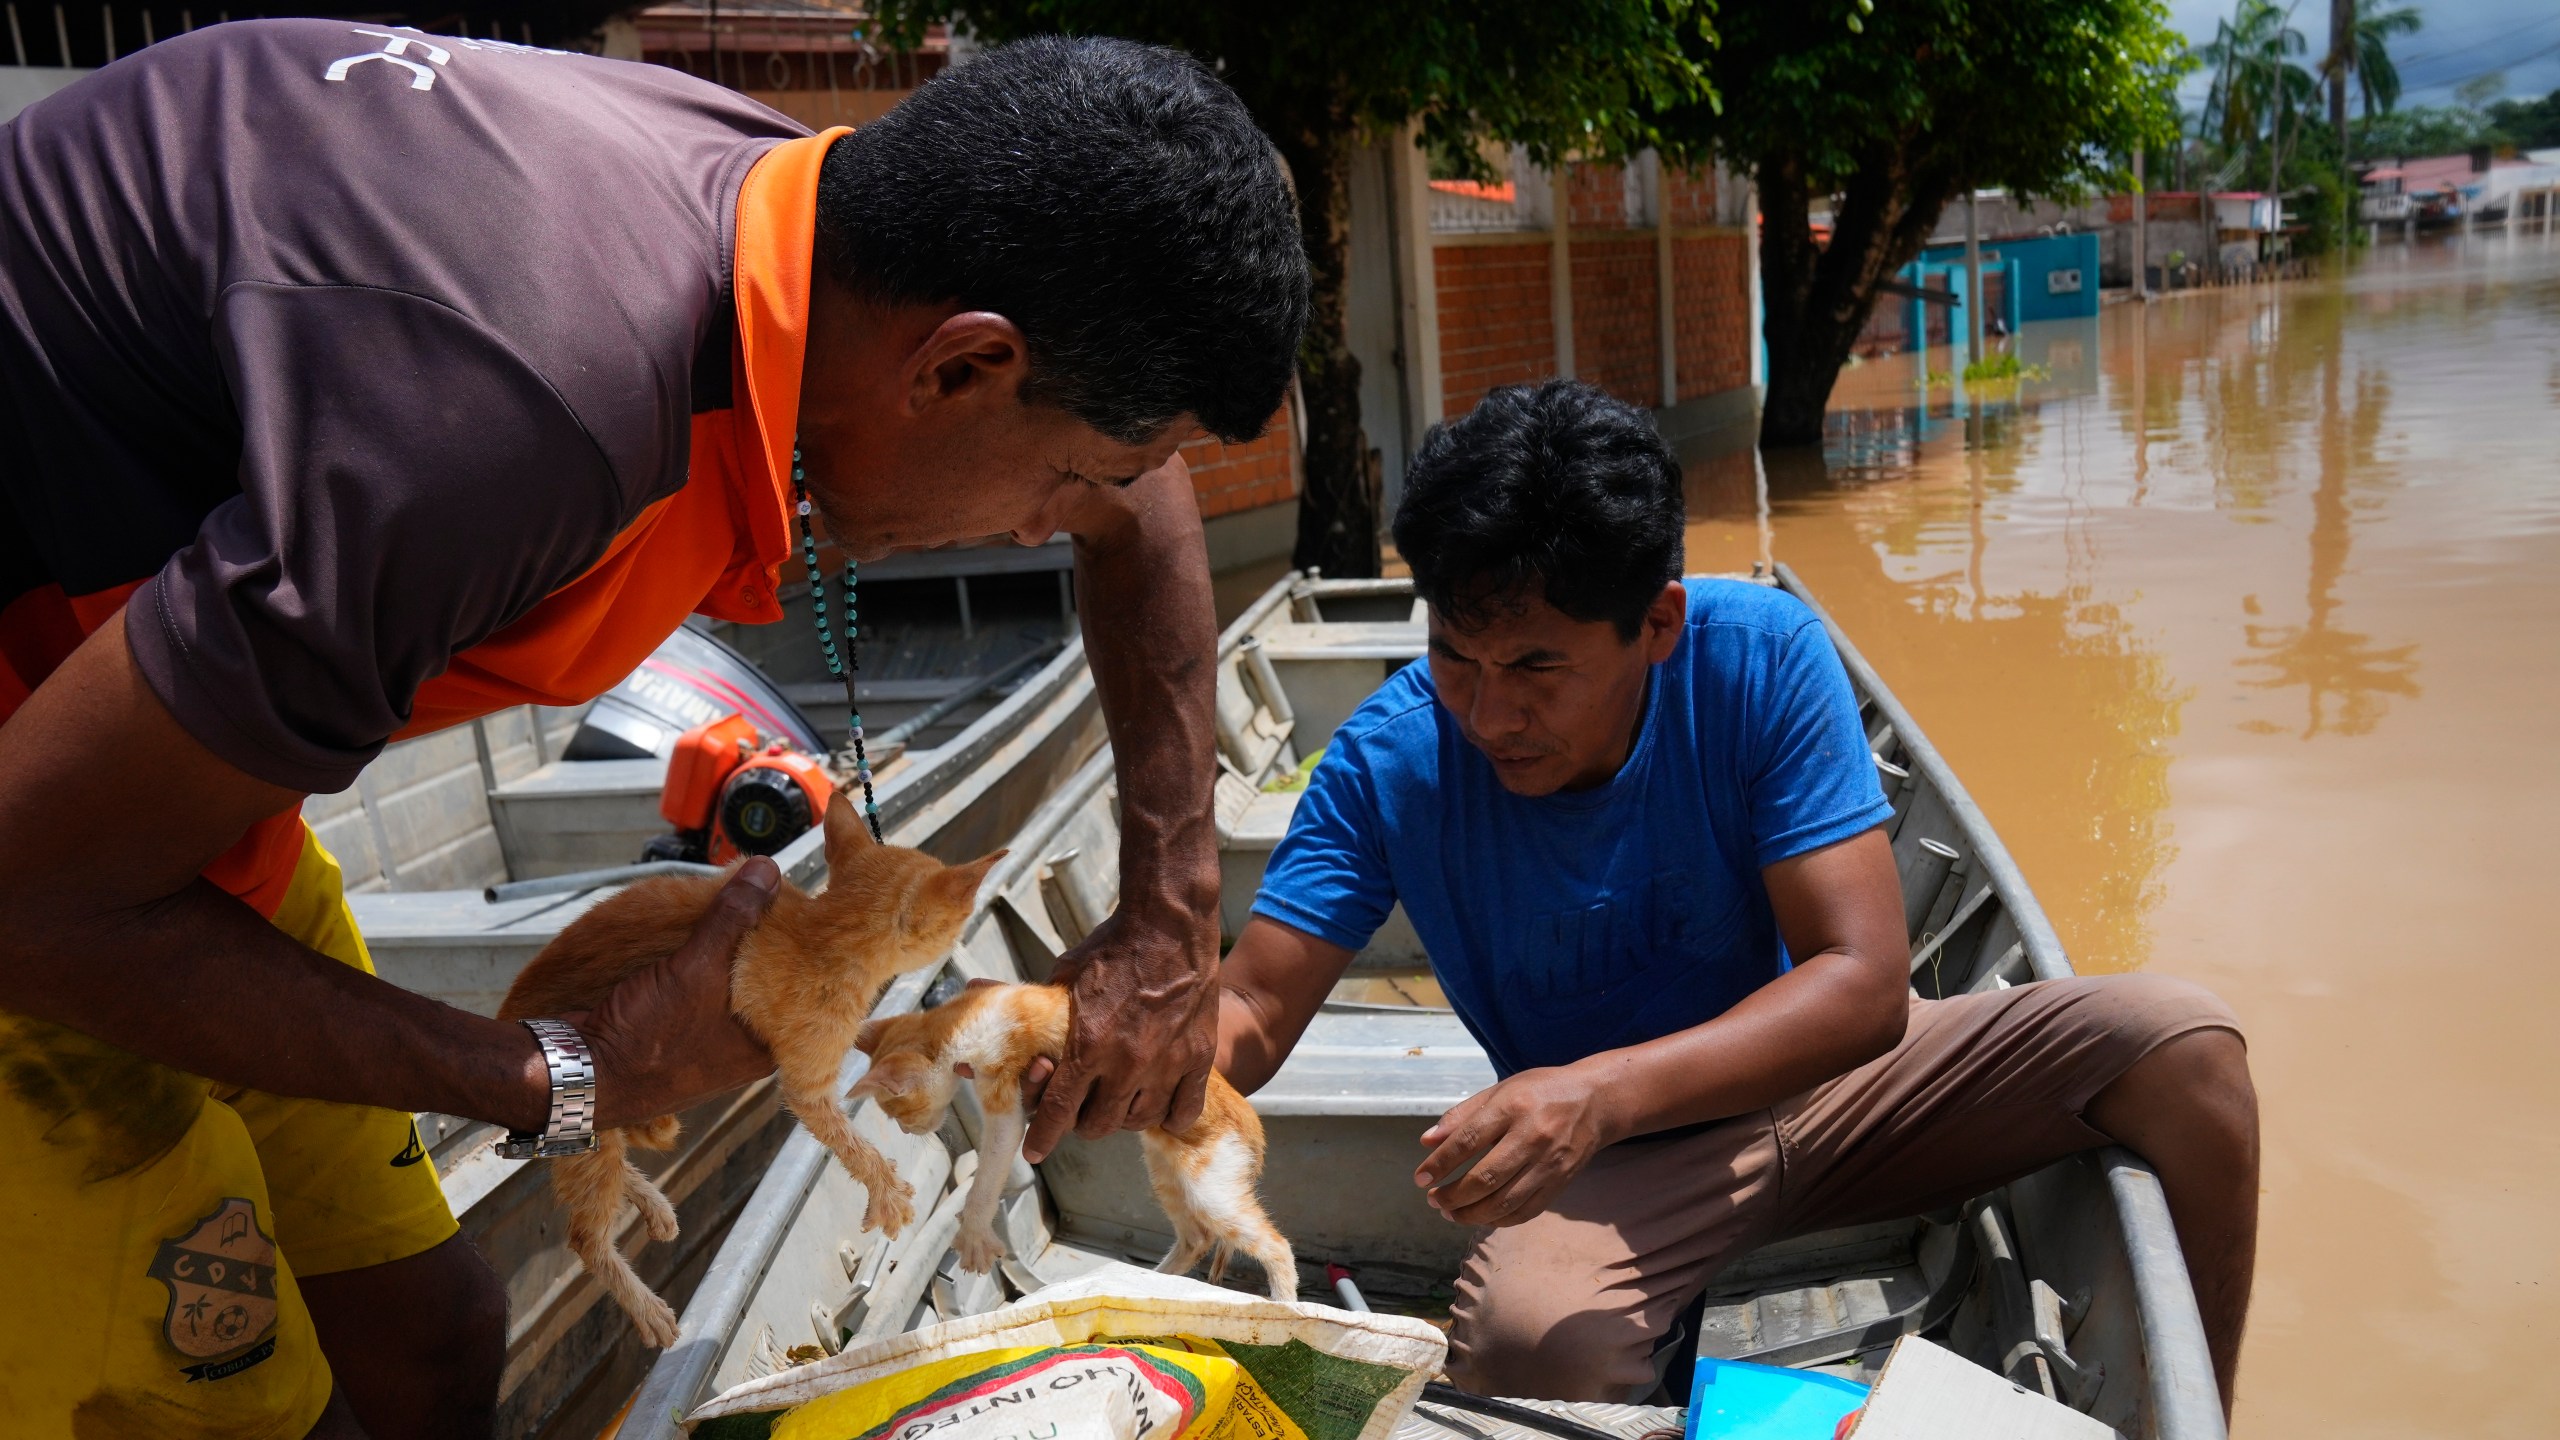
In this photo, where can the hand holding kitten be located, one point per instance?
(665, 1037)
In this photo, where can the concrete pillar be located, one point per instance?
(1560, 265)
(1668, 313)
(1972, 280)
(1751, 264)
(1417, 283)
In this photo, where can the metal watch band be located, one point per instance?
(570, 1129)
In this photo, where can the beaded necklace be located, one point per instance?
(841, 666)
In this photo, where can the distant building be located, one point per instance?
(2477, 187)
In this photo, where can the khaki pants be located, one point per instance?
(1982, 1090)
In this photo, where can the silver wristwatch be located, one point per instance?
(571, 1128)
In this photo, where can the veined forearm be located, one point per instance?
(1151, 636)
(1821, 1019)
(201, 983)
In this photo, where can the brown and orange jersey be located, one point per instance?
(383, 379)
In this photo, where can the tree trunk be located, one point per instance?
(1338, 509)
(2342, 59)
(1818, 298)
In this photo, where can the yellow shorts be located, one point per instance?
(150, 1233)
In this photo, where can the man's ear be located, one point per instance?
(1663, 621)
(968, 356)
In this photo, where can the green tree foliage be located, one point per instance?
(1892, 110)
(2528, 124)
(1559, 76)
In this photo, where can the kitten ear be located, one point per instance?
(957, 885)
(846, 832)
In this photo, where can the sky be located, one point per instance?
(2462, 38)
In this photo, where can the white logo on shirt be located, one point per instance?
(393, 52)
(398, 44)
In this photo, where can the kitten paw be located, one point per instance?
(656, 1215)
(889, 1211)
(656, 1323)
(979, 1250)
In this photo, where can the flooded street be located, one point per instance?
(2243, 624)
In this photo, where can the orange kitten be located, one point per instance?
(1204, 1177)
(802, 981)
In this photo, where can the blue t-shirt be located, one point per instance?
(1575, 923)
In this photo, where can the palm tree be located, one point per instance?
(2258, 93)
(2360, 46)
(2376, 76)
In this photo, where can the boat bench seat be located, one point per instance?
(1378, 1060)
(1247, 853)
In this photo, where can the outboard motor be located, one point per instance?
(732, 794)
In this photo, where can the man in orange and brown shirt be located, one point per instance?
(355, 382)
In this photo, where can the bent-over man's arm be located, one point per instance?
(108, 811)
(1145, 980)
(1839, 909)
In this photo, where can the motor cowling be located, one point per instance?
(729, 798)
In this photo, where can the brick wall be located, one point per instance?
(1229, 478)
(1617, 321)
(1711, 291)
(1691, 194)
(1495, 325)
(1596, 196)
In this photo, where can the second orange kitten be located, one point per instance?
(1204, 1176)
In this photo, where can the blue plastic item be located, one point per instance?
(1733, 1401)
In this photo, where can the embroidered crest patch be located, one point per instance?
(222, 1292)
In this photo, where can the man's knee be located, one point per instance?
(2196, 1078)
(1531, 1347)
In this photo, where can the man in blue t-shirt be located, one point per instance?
(1637, 826)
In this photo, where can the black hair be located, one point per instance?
(1557, 486)
(1111, 199)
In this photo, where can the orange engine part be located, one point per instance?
(804, 771)
(704, 757)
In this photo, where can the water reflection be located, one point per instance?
(2344, 675)
(2241, 624)
(2076, 709)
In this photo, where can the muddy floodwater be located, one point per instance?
(2243, 624)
